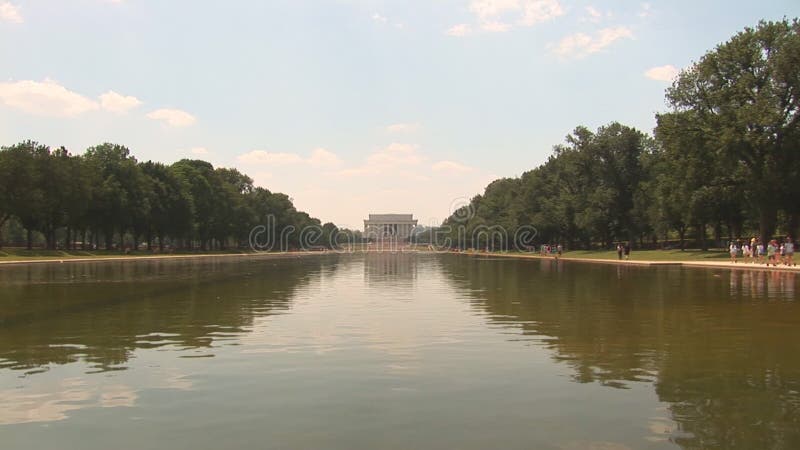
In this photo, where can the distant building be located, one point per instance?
(389, 226)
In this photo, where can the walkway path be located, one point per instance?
(633, 262)
(67, 259)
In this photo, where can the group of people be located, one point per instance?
(623, 249)
(554, 250)
(756, 252)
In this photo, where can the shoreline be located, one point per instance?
(646, 263)
(128, 258)
(297, 254)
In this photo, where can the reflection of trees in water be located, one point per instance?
(725, 360)
(102, 312)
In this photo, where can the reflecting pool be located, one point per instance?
(397, 350)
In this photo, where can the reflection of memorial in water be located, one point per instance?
(101, 313)
(384, 266)
(723, 358)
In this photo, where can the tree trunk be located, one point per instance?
(792, 227)
(2, 224)
(701, 235)
(30, 238)
(766, 224)
(48, 238)
(67, 240)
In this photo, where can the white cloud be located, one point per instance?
(379, 18)
(541, 11)
(10, 13)
(486, 9)
(402, 127)
(645, 11)
(579, 45)
(200, 151)
(46, 98)
(459, 30)
(323, 157)
(173, 117)
(494, 14)
(662, 73)
(320, 157)
(117, 103)
(394, 157)
(594, 15)
(392, 178)
(273, 158)
(451, 167)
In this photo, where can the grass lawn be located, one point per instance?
(654, 255)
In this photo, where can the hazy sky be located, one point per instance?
(349, 106)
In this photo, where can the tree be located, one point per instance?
(21, 192)
(122, 195)
(199, 176)
(745, 97)
(171, 204)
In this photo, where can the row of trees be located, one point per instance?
(106, 198)
(724, 161)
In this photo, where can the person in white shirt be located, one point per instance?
(734, 250)
(746, 252)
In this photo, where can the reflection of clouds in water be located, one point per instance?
(389, 304)
(22, 406)
(50, 403)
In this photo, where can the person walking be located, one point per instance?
(789, 250)
(627, 251)
(734, 251)
(746, 252)
(619, 252)
(771, 249)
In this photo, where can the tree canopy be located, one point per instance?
(725, 157)
(106, 198)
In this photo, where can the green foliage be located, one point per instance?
(726, 155)
(586, 192)
(741, 102)
(106, 193)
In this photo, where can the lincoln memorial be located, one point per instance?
(395, 227)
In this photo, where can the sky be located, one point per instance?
(350, 107)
